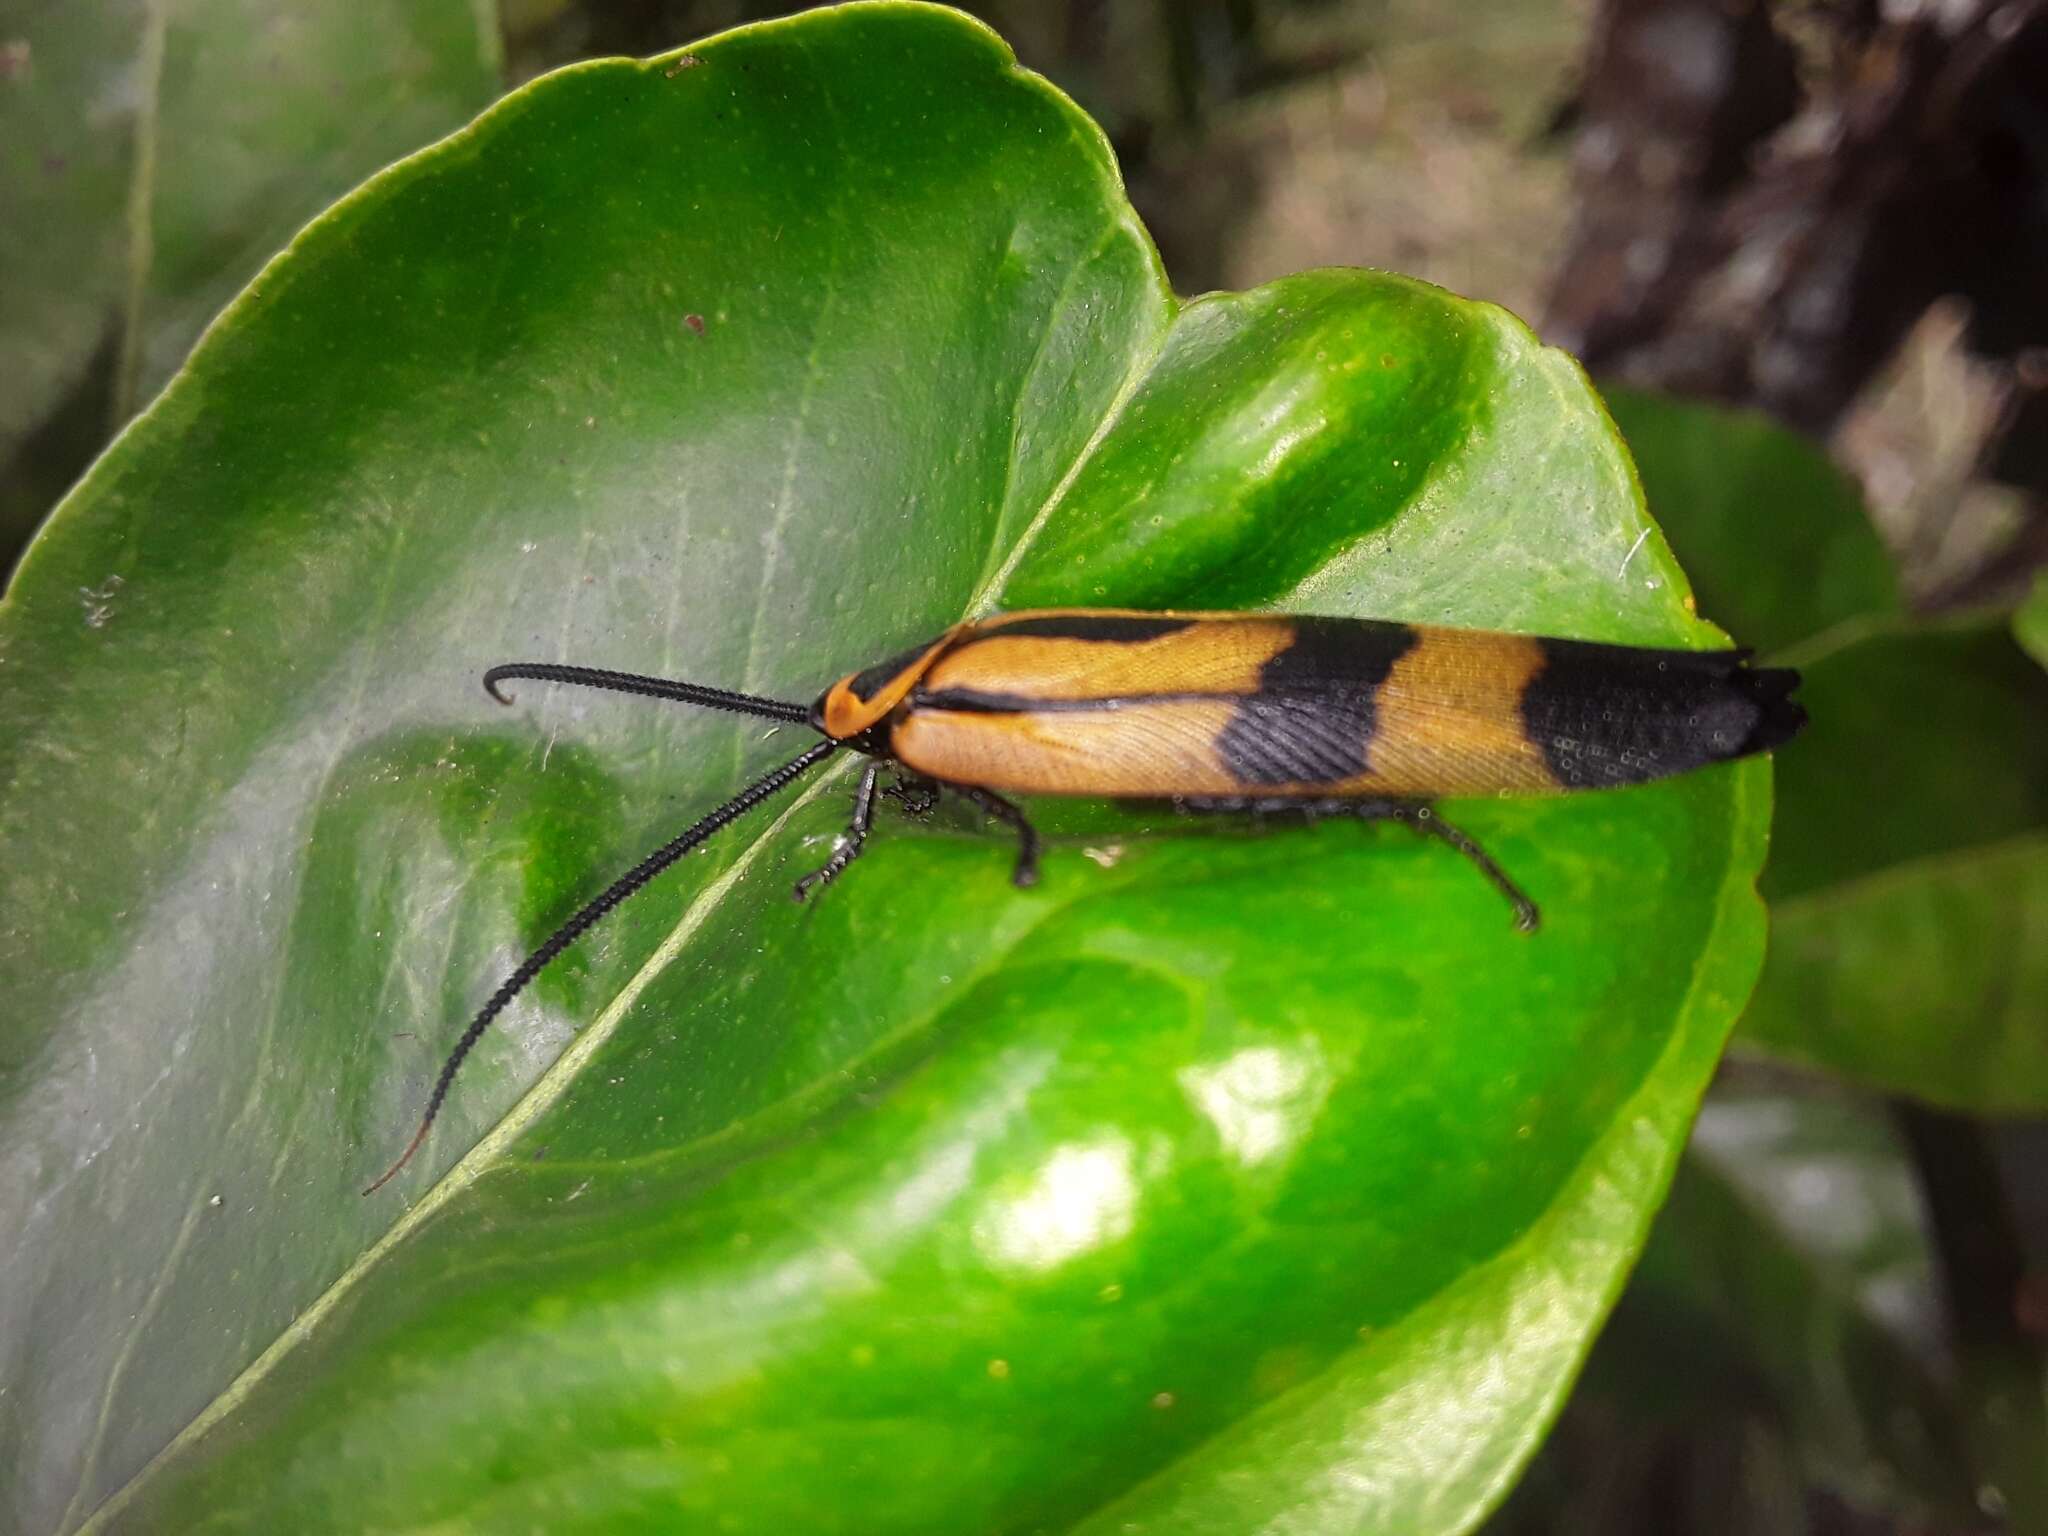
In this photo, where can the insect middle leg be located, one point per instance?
(917, 796)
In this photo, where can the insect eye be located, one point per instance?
(818, 713)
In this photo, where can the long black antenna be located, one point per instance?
(653, 687)
(581, 923)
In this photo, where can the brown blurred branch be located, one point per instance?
(1761, 223)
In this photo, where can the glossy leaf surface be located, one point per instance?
(1224, 1178)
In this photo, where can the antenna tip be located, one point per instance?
(404, 1157)
(491, 687)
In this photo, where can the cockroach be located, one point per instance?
(1248, 712)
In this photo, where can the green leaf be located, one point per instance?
(1929, 979)
(155, 156)
(1183, 1190)
(1779, 1336)
(1908, 885)
(1923, 744)
(1773, 534)
(1794, 1238)
(1908, 902)
(2030, 623)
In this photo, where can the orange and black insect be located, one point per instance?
(1244, 712)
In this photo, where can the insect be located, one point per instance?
(1260, 713)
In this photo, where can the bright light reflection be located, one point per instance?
(1082, 1198)
(1260, 1100)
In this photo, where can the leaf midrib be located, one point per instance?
(564, 1069)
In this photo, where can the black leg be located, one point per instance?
(1418, 818)
(917, 796)
(856, 835)
(1026, 872)
(1425, 822)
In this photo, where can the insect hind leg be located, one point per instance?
(1418, 816)
(1424, 822)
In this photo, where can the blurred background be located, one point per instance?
(1803, 246)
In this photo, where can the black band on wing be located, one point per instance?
(1313, 719)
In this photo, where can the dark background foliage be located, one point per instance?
(1805, 240)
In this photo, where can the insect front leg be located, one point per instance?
(856, 835)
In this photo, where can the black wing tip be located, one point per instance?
(1779, 717)
(1614, 716)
